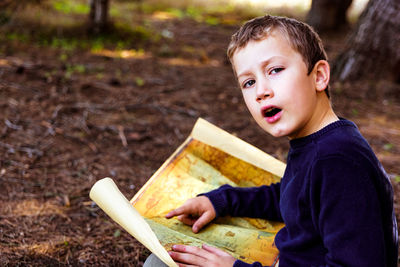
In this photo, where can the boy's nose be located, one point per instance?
(263, 92)
(262, 97)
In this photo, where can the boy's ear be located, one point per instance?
(322, 75)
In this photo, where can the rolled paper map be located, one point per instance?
(108, 197)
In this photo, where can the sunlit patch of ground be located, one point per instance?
(131, 53)
(31, 207)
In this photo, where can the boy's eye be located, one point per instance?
(276, 70)
(249, 83)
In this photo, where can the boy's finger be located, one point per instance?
(176, 212)
(170, 214)
(201, 221)
(192, 256)
(214, 250)
(190, 250)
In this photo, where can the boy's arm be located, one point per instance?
(255, 202)
(350, 214)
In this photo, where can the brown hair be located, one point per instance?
(300, 36)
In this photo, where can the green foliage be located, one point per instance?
(64, 43)
(149, 8)
(61, 24)
(63, 57)
(73, 69)
(388, 146)
(139, 81)
(117, 233)
(115, 12)
(80, 68)
(97, 44)
(218, 12)
(200, 10)
(71, 7)
(176, 12)
(212, 20)
(15, 36)
(194, 13)
(120, 36)
(136, 33)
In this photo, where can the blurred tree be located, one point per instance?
(326, 15)
(98, 15)
(372, 51)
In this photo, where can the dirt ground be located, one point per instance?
(63, 128)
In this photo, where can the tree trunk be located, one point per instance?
(326, 15)
(372, 51)
(98, 15)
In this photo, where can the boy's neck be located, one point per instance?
(322, 117)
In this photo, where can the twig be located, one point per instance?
(55, 112)
(13, 126)
(28, 150)
(31, 151)
(122, 135)
(8, 146)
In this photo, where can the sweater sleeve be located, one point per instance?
(255, 202)
(239, 263)
(347, 213)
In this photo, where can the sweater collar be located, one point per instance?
(302, 141)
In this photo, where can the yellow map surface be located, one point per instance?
(197, 167)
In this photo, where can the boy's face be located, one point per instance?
(276, 88)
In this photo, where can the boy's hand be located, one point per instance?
(196, 211)
(205, 256)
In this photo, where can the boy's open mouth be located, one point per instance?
(270, 112)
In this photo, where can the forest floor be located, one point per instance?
(70, 116)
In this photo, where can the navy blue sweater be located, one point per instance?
(335, 199)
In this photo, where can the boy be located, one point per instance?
(335, 199)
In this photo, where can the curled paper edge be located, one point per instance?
(107, 196)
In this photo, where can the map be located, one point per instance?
(197, 167)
